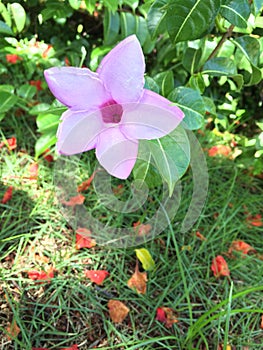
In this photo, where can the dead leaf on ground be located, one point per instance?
(117, 310)
(83, 238)
(33, 171)
(86, 184)
(138, 280)
(97, 276)
(13, 330)
(76, 200)
(241, 246)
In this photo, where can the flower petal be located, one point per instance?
(122, 71)
(116, 153)
(153, 117)
(78, 88)
(78, 131)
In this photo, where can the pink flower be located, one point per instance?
(110, 110)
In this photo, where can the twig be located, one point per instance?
(221, 42)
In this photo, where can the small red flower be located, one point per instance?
(12, 58)
(8, 195)
(83, 239)
(240, 246)
(10, 143)
(166, 315)
(219, 267)
(37, 84)
(41, 275)
(96, 276)
(47, 156)
(255, 220)
(219, 150)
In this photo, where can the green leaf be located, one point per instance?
(196, 82)
(141, 29)
(191, 103)
(236, 12)
(7, 101)
(27, 91)
(5, 14)
(90, 5)
(45, 141)
(144, 256)
(132, 3)
(165, 80)
(75, 4)
(111, 26)
(5, 29)
(96, 54)
(155, 18)
(258, 6)
(171, 155)
(19, 16)
(41, 107)
(111, 4)
(7, 88)
(47, 122)
(128, 24)
(220, 66)
(190, 19)
(210, 106)
(250, 47)
(191, 59)
(151, 84)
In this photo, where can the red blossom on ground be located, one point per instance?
(141, 229)
(83, 239)
(241, 246)
(37, 84)
(12, 58)
(10, 143)
(41, 275)
(255, 220)
(73, 347)
(219, 267)
(48, 157)
(76, 200)
(97, 276)
(7, 195)
(166, 315)
(219, 150)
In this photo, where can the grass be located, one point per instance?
(71, 310)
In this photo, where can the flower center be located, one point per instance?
(111, 112)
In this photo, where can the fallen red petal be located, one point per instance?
(76, 200)
(84, 241)
(73, 347)
(240, 246)
(10, 143)
(219, 267)
(7, 195)
(33, 171)
(96, 276)
(86, 184)
(255, 220)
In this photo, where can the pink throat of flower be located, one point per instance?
(111, 112)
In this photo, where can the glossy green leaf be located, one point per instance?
(112, 5)
(75, 4)
(236, 12)
(128, 24)
(220, 66)
(40, 108)
(144, 256)
(5, 14)
(250, 48)
(5, 29)
(19, 16)
(155, 18)
(210, 106)
(7, 101)
(191, 59)
(196, 82)
(258, 6)
(132, 3)
(27, 91)
(165, 80)
(111, 26)
(90, 5)
(44, 142)
(192, 104)
(190, 19)
(171, 155)
(141, 29)
(47, 122)
(151, 84)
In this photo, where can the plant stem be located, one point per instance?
(221, 42)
